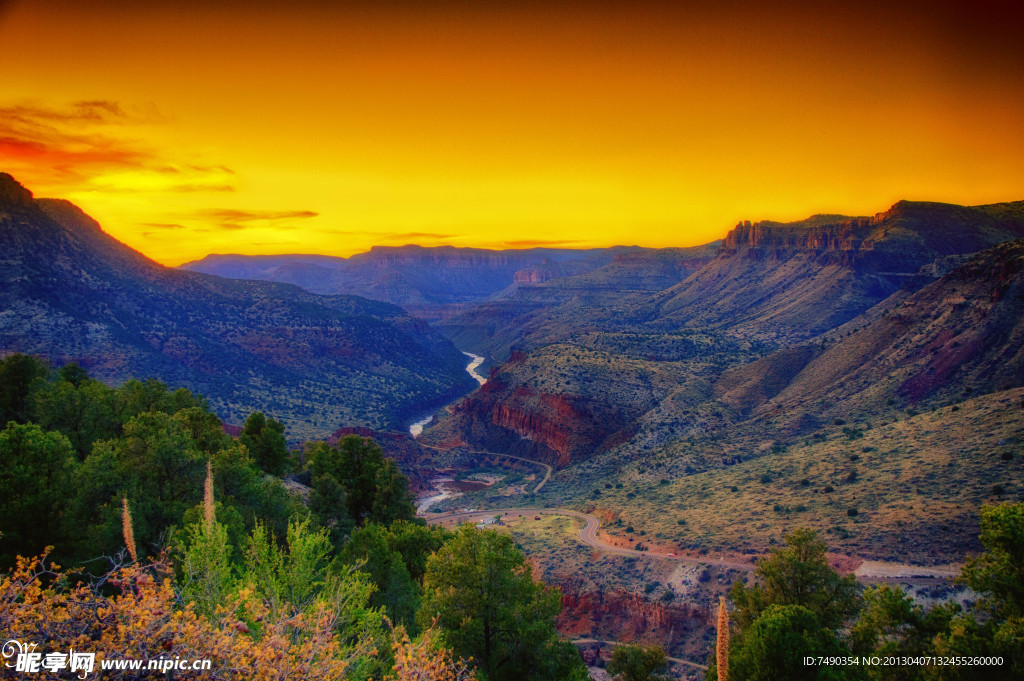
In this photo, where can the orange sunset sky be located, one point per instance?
(189, 128)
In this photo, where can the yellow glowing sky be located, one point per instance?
(191, 128)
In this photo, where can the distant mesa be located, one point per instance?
(428, 282)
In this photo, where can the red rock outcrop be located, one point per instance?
(554, 428)
(624, 616)
(902, 239)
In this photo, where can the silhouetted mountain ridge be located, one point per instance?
(73, 293)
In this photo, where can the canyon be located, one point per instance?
(860, 375)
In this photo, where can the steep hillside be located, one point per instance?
(961, 335)
(786, 282)
(714, 400)
(767, 282)
(70, 292)
(905, 488)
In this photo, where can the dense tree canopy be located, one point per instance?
(997, 574)
(37, 470)
(797, 605)
(353, 483)
(264, 438)
(638, 663)
(775, 645)
(17, 374)
(140, 440)
(800, 605)
(891, 623)
(110, 476)
(395, 557)
(488, 606)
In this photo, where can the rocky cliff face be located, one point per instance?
(819, 233)
(899, 240)
(560, 405)
(629, 617)
(545, 271)
(555, 429)
(787, 282)
(963, 332)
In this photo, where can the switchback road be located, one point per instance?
(548, 469)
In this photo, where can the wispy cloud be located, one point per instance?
(178, 170)
(91, 144)
(233, 218)
(236, 215)
(418, 235)
(108, 112)
(55, 137)
(387, 236)
(200, 187)
(69, 157)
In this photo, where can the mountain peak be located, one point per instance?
(12, 193)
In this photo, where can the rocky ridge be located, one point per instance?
(70, 292)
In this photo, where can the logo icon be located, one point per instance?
(27, 660)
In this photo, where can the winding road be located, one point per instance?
(869, 571)
(426, 502)
(588, 535)
(548, 469)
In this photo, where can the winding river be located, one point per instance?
(472, 366)
(475, 361)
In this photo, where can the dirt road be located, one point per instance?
(588, 535)
(548, 469)
(868, 571)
